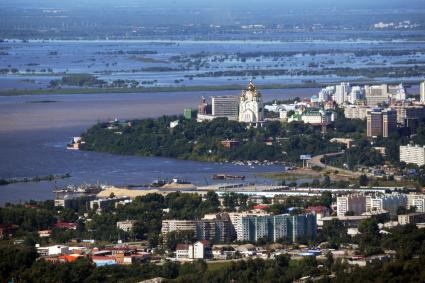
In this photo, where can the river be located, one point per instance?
(35, 129)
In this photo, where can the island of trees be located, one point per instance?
(275, 141)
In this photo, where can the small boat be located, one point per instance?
(75, 143)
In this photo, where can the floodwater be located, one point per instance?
(36, 63)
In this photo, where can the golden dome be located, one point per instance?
(251, 86)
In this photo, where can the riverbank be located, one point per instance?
(4, 182)
(194, 88)
(238, 87)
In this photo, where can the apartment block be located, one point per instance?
(411, 218)
(387, 202)
(413, 154)
(355, 203)
(356, 112)
(417, 201)
(216, 228)
(225, 106)
(274, 227)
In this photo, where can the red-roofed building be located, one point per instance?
(319, 211)
(66, 225)
(68, 258)
(182, 251)
(261, 206)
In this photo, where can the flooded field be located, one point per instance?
(34, 64)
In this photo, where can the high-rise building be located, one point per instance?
(408, 112)
(389, 122)
(355, 203)
(326, 94)
(422, 92)
(374, 122)
(274, 227)
(341, 93)
(251, 109)
(217, 228)
(177, 225)
(376, 95)
(413, 154)
(387, 202)
(356, 94)
(381, 122)
(225, 106)
(396, 92)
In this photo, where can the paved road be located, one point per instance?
(315, 161)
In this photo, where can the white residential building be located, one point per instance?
(182, 251)
(198, 250)
(417, 201)
(355, 112)
(355, 203)
(178, 225)
(326, 94)
(105, 203)
(53, 250)
(341, 93)
(411, 218)
(422, 92)
(387, 202)
(236, 220)
(126, 225)
(356, 94)
(414, 154)
(396, 92)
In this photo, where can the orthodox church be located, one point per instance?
(251, 109)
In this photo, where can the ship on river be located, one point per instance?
(228, 177)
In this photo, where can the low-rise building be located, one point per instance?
(317, 117)
(230, 143)
(355, 112)
(102, 204)
(182, 251)
(126, 225)
(198, 250)
(53, 250)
